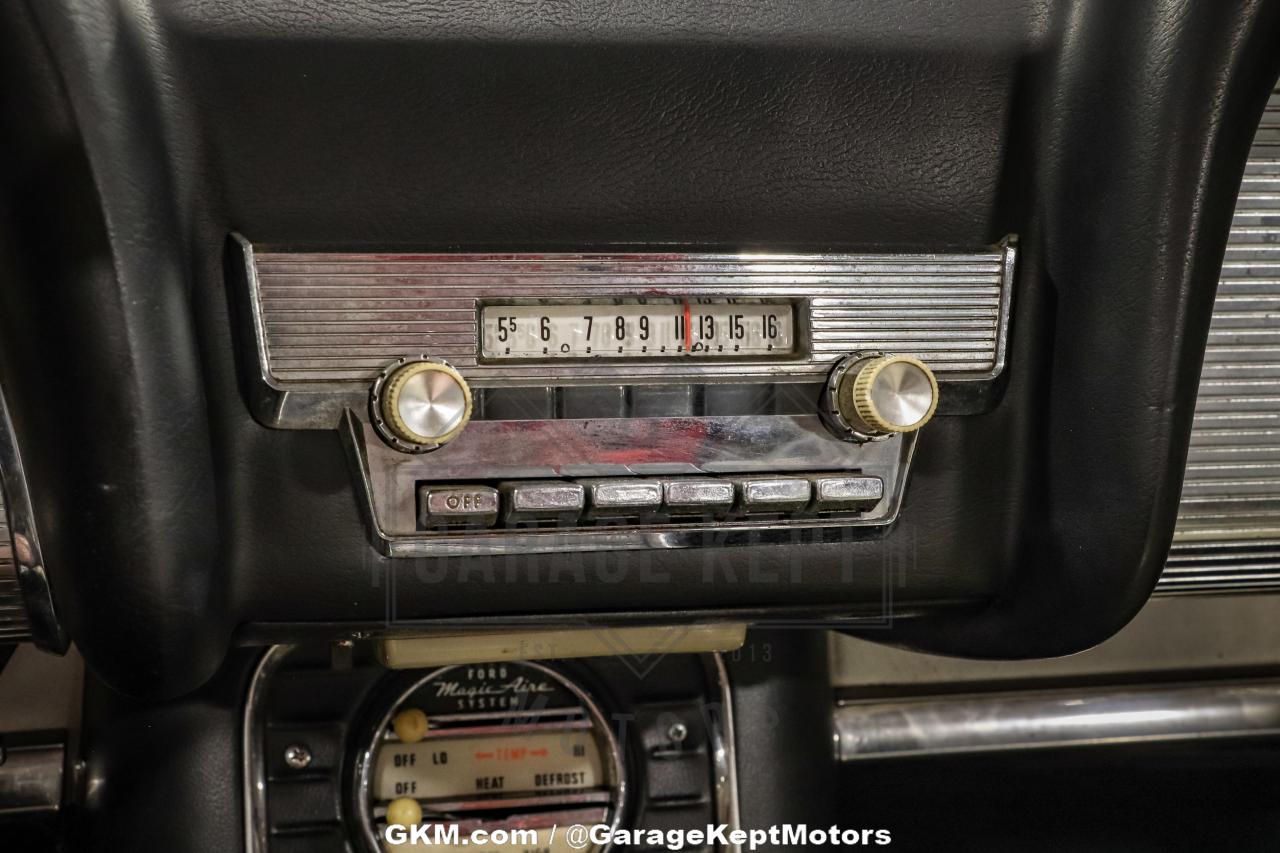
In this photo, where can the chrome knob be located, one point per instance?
(870, 396)
(420, 404)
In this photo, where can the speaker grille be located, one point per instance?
(1228, 533)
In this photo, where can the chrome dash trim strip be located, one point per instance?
(253, 750)
(913, 728)
(28, 559)
(724, 757)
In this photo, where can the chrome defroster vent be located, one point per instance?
(1228, 533)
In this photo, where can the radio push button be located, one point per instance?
(772, 495)
(844, 493)
(697, 496)
(543, 501)
(457, 506)
(622, 498)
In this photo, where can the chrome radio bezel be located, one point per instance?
(953, 303)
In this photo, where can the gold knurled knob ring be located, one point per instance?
(864, 405)
(386, 397)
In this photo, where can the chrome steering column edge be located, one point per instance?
(46, 629)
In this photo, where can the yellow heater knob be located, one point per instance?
(404, 812)
(410, 725)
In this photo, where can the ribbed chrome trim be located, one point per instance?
(1067, 718)
(1266, 145)
(331, 317)
(1228, 533)
(1246, 565)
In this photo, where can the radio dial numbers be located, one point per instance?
(637, 330)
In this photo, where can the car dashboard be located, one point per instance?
(505, 417)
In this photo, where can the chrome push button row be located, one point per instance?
(568, 503)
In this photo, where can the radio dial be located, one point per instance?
(871, 397)
(419, 405)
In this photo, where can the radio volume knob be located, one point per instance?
(874, 396)
(420, 404)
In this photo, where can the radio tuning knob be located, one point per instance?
(870, 396)
(420, 404)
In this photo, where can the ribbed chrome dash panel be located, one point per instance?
(341, 318)
(1228, 533)
(14, 626)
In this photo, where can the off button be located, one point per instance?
(457, 506)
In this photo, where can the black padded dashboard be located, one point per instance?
(1109, 137)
